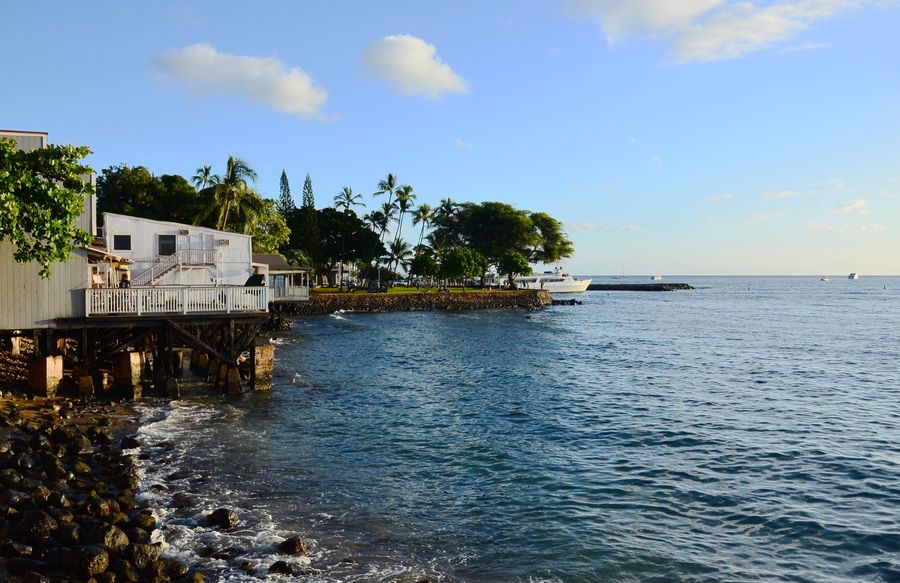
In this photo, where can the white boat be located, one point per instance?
(825, 278)
(656, 278)
(556, 282)
(853, 276)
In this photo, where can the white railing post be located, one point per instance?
(228, 300)
(137, 301)
(184, 300)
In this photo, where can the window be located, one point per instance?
(122, 242)
(167, 244)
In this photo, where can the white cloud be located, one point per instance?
(410, 65)
(801, 48)
(580, 228)
(718, 198)
(857, 205)
(846, 229)
(265, 81)
(463, 145)
(778, 194)
(760, 218)
(708, 30)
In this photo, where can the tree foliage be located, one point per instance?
(134, 191)
(513, 263)
(423, 265)
(345, 235)
(285, 202)
(42, 194)
(463, 263)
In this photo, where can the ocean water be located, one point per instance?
(745, 431)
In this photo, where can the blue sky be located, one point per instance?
(670, 136)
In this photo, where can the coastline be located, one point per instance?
(71, 507)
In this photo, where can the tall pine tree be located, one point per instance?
(285, 201)
(309, 223)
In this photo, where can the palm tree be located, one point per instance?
(231, 192)
(347, 200)
(399, 252)
(204, 177)
(405, 198)
(376, 220)
(423, 215)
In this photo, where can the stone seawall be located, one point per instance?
(319, 304)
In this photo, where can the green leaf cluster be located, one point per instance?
(42, 195)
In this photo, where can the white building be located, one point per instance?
(173, 254)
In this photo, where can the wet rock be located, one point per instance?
(129, 442)
(41, 494)
(59, 500)
(124, 570)
(293, 546)
(184, 500)
(24, 461)
(138, 535)
(113, 538)
(106, 577)
(282, 568)
(80, 467)
(144, 520)
(224, 518)
(176, 569)
(180, 475)
(247, 567)
(37, 525)
(11, 548)
(87, 560)
(196, 578)
(143, 554)
(21, 565)
(70, 534)
(80, 444)
(97, 509)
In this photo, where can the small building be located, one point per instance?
(175, 254)
(285, 282)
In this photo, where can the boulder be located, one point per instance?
(224, 518)
(176, 569)
(129, 442)
(144, 520)
(143, 555)
(37, 525)
(113, 538)
(87, 560)
(293, 546)
(282, 568)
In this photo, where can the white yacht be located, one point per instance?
(825, 278)
(656, 277)
(853, 276)
(556, 281)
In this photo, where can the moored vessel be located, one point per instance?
(556, 281)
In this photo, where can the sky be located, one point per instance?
(669, 136)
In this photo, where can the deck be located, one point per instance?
(159, 300)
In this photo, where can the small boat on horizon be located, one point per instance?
(825, 278)
(853, 276)
(656, 278)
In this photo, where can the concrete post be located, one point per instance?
(264, 357)
(233, 382)
(44, 375)
(127, 374)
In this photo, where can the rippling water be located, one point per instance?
(745, 431)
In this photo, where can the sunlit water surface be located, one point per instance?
(745, 431)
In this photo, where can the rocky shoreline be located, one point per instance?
(322, 304)
(68, 511)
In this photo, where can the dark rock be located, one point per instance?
(34, 577)
(59, 500)
(143, 554)
(184, 500)
(37, 525)
(21, 565)
(70, 534)
(106, 577)
(11, 548)
(224, 518)
(293, 546)
(61, 515)
(97, 509)
(282, 568)
(41, 494)
(124, 570)
(176, 569)
(180, 475)
(247, 567)
(129, 442)
(10, 477)
(138, 535)
(144, 520)
(80, 467)
(87, 561)
(113, 538)
(227, 554)
(24, 461)
(80, 444)
(195, 578)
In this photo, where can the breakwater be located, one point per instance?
(320, 304)
(642, 287)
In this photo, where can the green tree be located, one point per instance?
(513, 263)
(42, 195)
(398, 254)
(423, 265)
(304, 223)
(552, 243)
(462, 263)
(496, 228)
(405, 199)
(285, 202)
(269, 229)
(345, 237)
(229, 193)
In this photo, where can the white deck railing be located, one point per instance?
(149, 301)
(288, 293)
